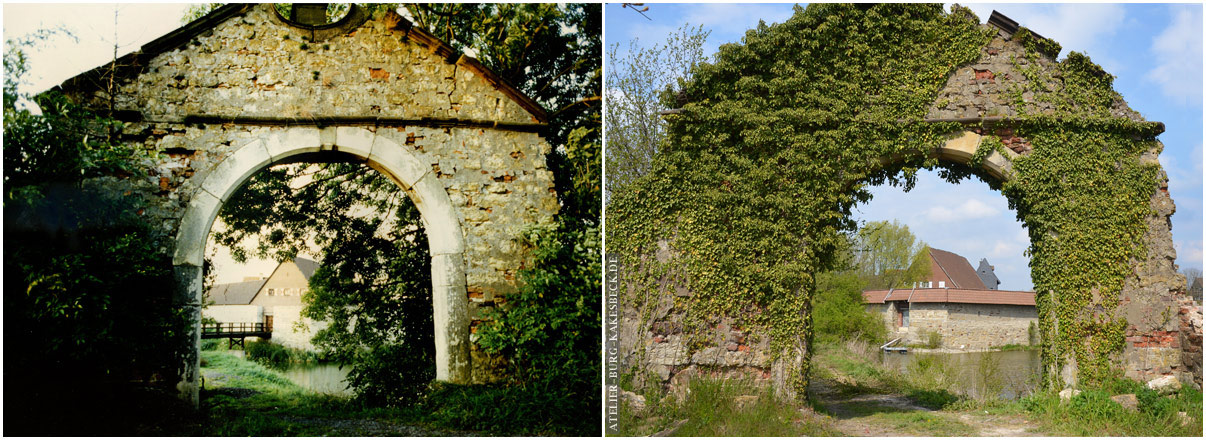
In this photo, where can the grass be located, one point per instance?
(925, 424)
(244, 398)
(1092, 413)
(1014, 347)
(714, 408)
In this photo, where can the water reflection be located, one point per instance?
(320, 378)
(1006, 374)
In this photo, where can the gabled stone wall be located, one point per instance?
(983, 95)
(249, 91)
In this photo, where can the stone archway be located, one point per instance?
(240, 89)
(777, 137)
(444, 233)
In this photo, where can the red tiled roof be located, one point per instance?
(958, 269)
(963, 296)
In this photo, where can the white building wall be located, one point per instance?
(290, 329)
(234, 313)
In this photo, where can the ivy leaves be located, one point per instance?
(783, 134)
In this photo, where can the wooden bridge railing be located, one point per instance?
(226, 328)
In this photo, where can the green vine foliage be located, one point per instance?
(784, 134)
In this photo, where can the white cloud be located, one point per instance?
(1184, 179)
(969, 209)
(1076, 27)
(1189, 254)
(1178, 57)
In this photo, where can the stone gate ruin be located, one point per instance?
(1163, 326)
(244, 87)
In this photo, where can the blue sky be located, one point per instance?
(1154, 50)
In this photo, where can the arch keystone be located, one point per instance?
(355, 141)
(292, 141)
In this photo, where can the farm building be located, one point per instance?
(955, 303)
(275, 301)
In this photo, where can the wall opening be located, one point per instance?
(310, 250)
(444, 240)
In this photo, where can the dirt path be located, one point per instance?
(895, 415)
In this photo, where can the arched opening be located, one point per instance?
(444, 234)
(946, 297)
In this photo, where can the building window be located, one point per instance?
(271, 292)
(941, 284)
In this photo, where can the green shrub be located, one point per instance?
(838, 310)
(1032, 334)
(550, 333)
(268, 354)
(933, 339)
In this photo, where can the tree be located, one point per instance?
(887, 255)
(374, 286)
(88, 303)
(641, 84)
(1193, 282)
(837, 305)
(838, 310)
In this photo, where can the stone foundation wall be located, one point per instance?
(661, 352)
(988, 325)
(1154, 304)
(963, 326)
(287, 332)
(1191, 339)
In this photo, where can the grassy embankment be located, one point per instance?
(244, 398)
(717, 408)
(852, 368)
(852, 394)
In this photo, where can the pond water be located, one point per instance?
(1007, 374)
(320, 378)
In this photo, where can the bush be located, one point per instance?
(1032, 334)
(268, 354)
(838, 312)
(550, 333)
(933, 339)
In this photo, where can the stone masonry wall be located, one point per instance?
(255, 65)
(988, 88)
(962, 326)
(1153, 301)
(661, 351)
(252, 65)
(1149, 300)
(987, 325)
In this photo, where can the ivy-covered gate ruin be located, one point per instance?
(781, 136)
(244, 87)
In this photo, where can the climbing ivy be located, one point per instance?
(784, 134)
